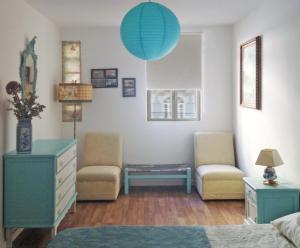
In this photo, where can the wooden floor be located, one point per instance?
(143, 206)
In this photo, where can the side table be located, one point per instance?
(156, 172)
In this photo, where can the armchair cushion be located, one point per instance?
(103, 149)
(98, 173)
(219, 182)
(214, 148)
(219, 172)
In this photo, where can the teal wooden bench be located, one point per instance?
(157, 172)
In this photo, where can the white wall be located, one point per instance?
(277, 124)
(151, 142)
(19, 21)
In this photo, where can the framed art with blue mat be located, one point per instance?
(129, 87)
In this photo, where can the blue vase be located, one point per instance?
(24, 135)
(270, 174)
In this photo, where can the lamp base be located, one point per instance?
(270, 176)
(271, 182)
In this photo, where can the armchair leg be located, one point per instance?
(126, 182)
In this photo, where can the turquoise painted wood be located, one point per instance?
(30, 185)
(265, 203)
(148, 176)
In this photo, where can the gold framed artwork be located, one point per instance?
(250, 73)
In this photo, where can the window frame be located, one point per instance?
(174, 105)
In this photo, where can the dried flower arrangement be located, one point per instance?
(23, 108)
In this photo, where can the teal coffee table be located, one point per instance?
(157, 172)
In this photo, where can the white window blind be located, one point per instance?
(181, 69)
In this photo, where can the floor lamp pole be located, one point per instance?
(75, 117)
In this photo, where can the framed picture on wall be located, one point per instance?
(129, 87)
(250, 73)
(104, 78)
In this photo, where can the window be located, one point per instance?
(186, 105)
(71, 61)
(173, 105)
(160, 104)
(179, 75)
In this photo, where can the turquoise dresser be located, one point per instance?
(39, 187)
(264, 203)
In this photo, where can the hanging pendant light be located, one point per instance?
(150, 31)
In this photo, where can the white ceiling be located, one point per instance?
(110, 12)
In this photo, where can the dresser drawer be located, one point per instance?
(63, 203)
(250, 194)
(65, 187)
(63, 159)
(251, 212)
(65, 172)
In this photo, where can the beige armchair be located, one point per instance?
(99, 178)
(216, 175)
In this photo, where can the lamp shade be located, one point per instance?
(75, 92)
(150, 31)
(269, 158)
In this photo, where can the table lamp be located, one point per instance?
(75, 93)
(271, 159)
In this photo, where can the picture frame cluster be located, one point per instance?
(108, 78)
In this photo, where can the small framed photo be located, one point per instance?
(111, 73)
(104, 78)
(99, 83)
(72, 112)
(98, 74)
(111, 83)
(129, 87)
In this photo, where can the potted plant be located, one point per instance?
(24, 109)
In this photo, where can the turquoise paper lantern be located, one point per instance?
(150, 31)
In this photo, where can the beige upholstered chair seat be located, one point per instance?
(219, 172)
(98, 173)
(219, 182)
